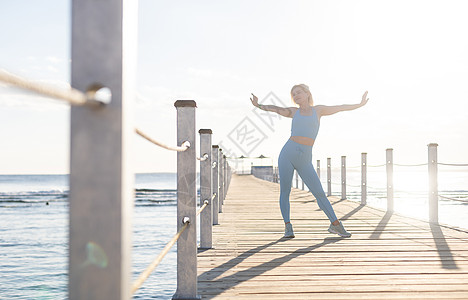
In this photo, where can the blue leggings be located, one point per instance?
(299, 157)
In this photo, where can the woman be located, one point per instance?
(297, 152)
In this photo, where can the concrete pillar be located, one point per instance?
(186, 202)
(363, 178)
(390, 188)
(215, 176)
(206, 216)
(329, 176)
(225, 177)
(433, 184)
(221, 180)
(297, 179)
(343, 177)
(103, 55)
(318, 168)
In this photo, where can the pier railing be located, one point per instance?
(101, 194)
(432, 171)
(215, 176)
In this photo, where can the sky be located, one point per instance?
(409, 55)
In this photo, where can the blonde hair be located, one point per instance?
(305, 88)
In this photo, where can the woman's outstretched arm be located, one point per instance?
(324, 110)
(283, 111)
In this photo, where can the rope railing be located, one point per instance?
(205, 204)
(432, 193)
(72, 96)
(147, 272)
(221, 176)
(414, 165)
(453, 199)
(87, 127)
(453, 165)
(376, 166)
(185, 145)
(358, 186)
(351, 185)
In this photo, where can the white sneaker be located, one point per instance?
(288, 231)
(339, 229)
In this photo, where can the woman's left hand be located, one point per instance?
(364, 99)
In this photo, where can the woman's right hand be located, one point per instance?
(254, 100)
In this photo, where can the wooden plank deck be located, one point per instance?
(388, 256)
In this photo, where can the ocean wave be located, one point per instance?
(145, 195)
(155, 190)
(34, 196)
(35, 193)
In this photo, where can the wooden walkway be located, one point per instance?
(388, 256)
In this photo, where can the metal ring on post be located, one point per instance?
(205, 204)
(186, 144)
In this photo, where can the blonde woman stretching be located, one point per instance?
(297, 152)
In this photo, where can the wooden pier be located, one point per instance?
(388, 257)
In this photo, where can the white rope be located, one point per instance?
(72, 96)
(454, 165)
(185, 145)
(205, 204)
(416, 165)
(350, 185)
(453, 199)
(143, 276)
(376, 166)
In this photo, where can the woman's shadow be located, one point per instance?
(232, 280)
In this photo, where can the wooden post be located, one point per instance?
(318, 168)
(103, 54)
(206, 216)
(329, 176)
(390, 180)
(433, 184)
(186, 202)
(343, 177)
(215, 166)
(302, 184)
(363, 178)
(297, 179)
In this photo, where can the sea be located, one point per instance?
(34, 235)
(34, 223)
(411, 186)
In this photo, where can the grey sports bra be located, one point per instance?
(306, 126)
